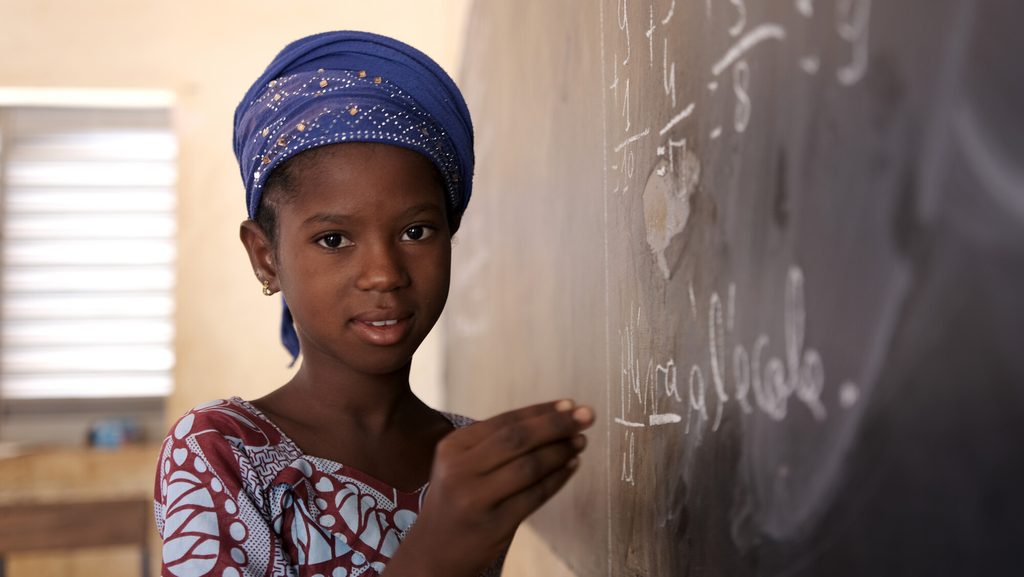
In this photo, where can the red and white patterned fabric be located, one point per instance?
(236, 497)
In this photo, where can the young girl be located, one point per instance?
(356, 155)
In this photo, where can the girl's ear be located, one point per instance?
(261, 254)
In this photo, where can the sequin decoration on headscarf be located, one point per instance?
(351, 86)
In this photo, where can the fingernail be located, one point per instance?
(583, 415)
(579, 442)
(573, 463)
(564, 405)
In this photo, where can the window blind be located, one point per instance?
(87, 203)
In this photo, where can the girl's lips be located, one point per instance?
(382, 332)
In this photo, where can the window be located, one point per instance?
(87, 218)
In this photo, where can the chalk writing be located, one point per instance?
(740, 372)
(649, 389)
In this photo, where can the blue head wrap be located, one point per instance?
(352, 87)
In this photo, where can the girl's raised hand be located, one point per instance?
(486, 479)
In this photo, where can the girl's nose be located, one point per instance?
(381, 269)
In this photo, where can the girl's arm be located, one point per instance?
(486, 479)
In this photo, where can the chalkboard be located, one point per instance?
(780, 246)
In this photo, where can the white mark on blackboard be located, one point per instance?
(625, 106)
(623, 16)
(671, 12)
(730, 312)
(633, 138)
(630, 373)
(672, 146)
(677, 118)
(741, 18)
(650, 38)
(749, 40)
(697, 397)
(805, 7)
(628, 165)
(849, 393)
(810, 64)
(765, 397)
(808, 379)
(664, 419)
(668, 74)
(626, 423)
(614, 86)
(853, 18)
(660, 151)
(693, 301)
(741, 373)
(713, 86)
(795, 319)
(707, 8)
(741, 85)
(715, 132)
(716, 343)
(666, 374)
(628, 458)
(811, 381)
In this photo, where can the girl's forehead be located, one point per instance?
(371, 177)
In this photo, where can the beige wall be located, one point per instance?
(207, 53)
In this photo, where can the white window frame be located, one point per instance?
(142, 347)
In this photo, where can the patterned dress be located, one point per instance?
(235, 496)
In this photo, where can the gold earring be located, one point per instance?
(266, 289)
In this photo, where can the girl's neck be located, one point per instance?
(371, 402)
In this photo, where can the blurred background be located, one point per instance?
(126, 295)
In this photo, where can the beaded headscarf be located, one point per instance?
(351, 86)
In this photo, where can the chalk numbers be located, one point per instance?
(852, 19)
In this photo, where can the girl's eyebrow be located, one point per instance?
(324, 217)
(336, 218)
(420, 208)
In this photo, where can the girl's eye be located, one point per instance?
(333, 240)
(418, 232)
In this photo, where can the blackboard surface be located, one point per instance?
(780, 246)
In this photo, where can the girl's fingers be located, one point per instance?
(521, 438)
(527, 470)
(472, 435)
(525, 502)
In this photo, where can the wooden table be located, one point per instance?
(71, 499)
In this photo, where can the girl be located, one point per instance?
(356, 155)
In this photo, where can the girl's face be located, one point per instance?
(363, 255)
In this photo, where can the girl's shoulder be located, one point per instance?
(230, 440)
(231, 418)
